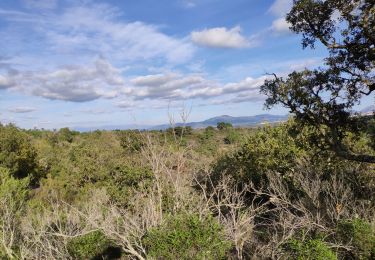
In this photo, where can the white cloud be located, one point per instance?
(174, 87)
(281, 26)
(280, 7)
(221, 37)
(6, 81)
(212, 89)
(96, 111)
(22, 109)
(164, 86)
(72, 83)
(153, 80)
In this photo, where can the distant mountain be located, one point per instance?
(109, 127)
(368, 110)
(235, 121)
(239, 121)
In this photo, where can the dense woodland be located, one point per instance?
(302, 189)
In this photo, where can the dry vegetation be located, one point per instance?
(182, 194)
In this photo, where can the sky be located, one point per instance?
(91, 63)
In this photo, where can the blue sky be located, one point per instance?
(93, 63)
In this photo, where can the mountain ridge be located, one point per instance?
(236, 121)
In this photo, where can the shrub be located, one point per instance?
(180, 130)
(93, 245)
(268, 149)
(13, 195)
(360, 235)
(232, 137)
(223, 125)
(17, 153)
(13, 190)
(131, 141)
(124, 180)
(314, 249)
(66, 135)
(187, 237)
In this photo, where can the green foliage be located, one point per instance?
(232, 137)
(324, 97)
(207, 134)
(359, 234)
(223, 125)
(207, 143)
(13, 196)
(66, 135)
(12, 190)
(268, 149)
(131, 141)
(123, 180)
(187, 237)
(109, 164)
(371, 132)
(93, 160)
(314, 249)
(93, 245)
(18, 154)
(180, 131)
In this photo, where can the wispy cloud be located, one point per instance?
(79, 27)
(22, 109)
(280, 25)
(279, 9)
(221, 37)
(189, 3)
(41, 4)
(98, 29)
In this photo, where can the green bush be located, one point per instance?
(93, 245)
(223, 125)
(66, 135)
(232, 137)
(123, 180)
(207, 134)
(268, 149)
(13, 196)
(131, 141)
(314, 249)
(180, 131)
(17, 153)
(360, 235)
(187, 237)
(13, 190)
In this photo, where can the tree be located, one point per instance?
(65, 134)
(223, 125)
(180, 131)
(322, 98)
(18, 154)
(187, 237)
